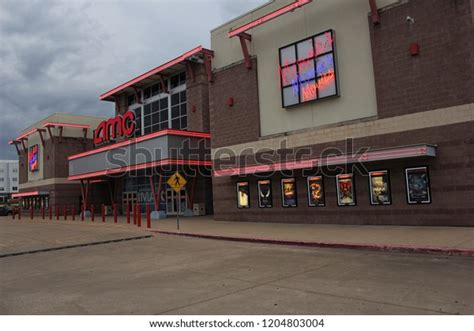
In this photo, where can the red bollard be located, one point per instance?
(73, 213)
(148, 216)
(92, 213)
(42, 212)
(50, 213)
(57, 213)
(82, 213)
(139, 216)
(128, 213)
(103, 213)
(115, 213)
(134, 209)
(65, 213)
(13, 213)
(31, 212)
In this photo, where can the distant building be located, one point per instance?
(8, 178)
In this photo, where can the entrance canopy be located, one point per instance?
(162, 148)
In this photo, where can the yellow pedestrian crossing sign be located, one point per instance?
(176, 182)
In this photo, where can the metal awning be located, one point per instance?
(424, 150)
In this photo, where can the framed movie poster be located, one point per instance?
(418, 185)
(316, 196)
(345, 190)
(379, 184)
(243, 196)
(265, 198)
(288, 192)
(33, 158)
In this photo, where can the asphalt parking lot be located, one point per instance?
(178, 275)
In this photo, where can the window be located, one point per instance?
(379, 188)
(138, 121)
(345, 190)
(265, 199)
(131, 99)
(308, 70)
(177, 80)
(178, 111)
(243, 196)
(315, 185)
(2, 189)
(15, 170)
(2, 179)
(156, 116)
(288, 192)
(417, 185)
(14, 188)
(14, 179)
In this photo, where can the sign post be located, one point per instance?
(177, 182)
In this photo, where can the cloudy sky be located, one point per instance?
(59, 55)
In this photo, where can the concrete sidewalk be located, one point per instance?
(417, 239)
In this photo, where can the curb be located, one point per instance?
(370, 247)
(74, 246)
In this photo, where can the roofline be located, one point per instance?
(156, 70)
(243, 15)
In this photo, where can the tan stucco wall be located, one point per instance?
(349, 19)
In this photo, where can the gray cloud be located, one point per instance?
(59, 56)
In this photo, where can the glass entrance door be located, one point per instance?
(172, 201)
(128, 198)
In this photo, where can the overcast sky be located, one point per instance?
(60, 55)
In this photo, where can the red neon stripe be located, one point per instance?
(71, 125)
(172, 132)
(140, 167)
(25, 194)
(29, 133)
(268, 17)
(154, 71)
(291, 165)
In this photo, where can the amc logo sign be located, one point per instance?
(120, 125)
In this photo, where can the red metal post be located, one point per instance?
(115, 213)
(42, 212)
(148, 216)
(65, 212)
(19, 213)
(82, 212)
(103, 213)
(139, 216)
(13, 213)
(31, 212)
(73, 213)
(134, 208)
(50, 212)
(57, 213)
(92, 213)
(128, 213)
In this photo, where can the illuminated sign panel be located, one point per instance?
(33, 158)
(308, 69)
(113, 127)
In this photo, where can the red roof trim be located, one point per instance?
(268, 17)
(25, 194)
(193, 134)
(155, 71)
(106, 172)
(70, 125)
(24, 135)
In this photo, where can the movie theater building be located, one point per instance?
(345, 111)
(43, 149)
(160, 126)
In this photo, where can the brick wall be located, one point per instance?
(239, 123)
(197, 97)
(442, 74)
